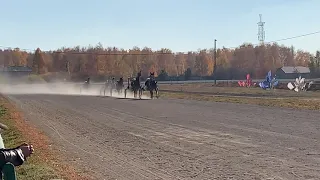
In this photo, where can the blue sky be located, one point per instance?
(180, 25)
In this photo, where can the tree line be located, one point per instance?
(97, 61)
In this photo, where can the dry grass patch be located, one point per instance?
(46, 162)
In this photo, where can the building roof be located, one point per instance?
(17, 69)
(295, 69)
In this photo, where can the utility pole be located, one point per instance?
(292, 53)
(215, 62)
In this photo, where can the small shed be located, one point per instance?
(292, 72)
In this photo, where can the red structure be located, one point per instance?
(247, 83)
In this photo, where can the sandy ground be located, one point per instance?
(114, 138)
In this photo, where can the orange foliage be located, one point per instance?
(111, 61)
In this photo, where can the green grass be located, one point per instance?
(34, 168)
(257, 96)
(35, 78)
(235, 91)
(293, 102)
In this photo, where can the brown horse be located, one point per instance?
(134, 86)
(152, 85)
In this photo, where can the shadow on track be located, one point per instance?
(121, 98)
(139, 99)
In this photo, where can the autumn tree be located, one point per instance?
(204, 64)
(38, 65)
(148, 62)
(112, 61)
(163, 75)
(188, 74)
(180, 62)
(302, 58)
(19, 58)
(314, 64)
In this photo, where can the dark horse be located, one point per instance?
(135, 86)
(85, 86)
(151, 85)
(119, 85)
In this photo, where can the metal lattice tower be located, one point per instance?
(261, 30)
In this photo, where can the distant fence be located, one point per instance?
(195, 81)
(212, 81)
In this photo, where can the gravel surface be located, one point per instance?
(114, 138)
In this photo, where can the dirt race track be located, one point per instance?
(114, 138)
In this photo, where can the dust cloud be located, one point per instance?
(61, 88)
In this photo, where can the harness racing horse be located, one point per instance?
(112, 85)
(134, 86)
(128, 87)
(152, 85)
(109, 84)
(119, 85)
(85, 86)
(104, 88)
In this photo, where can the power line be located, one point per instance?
(295, 37)
(153, 53)
(283, 39)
